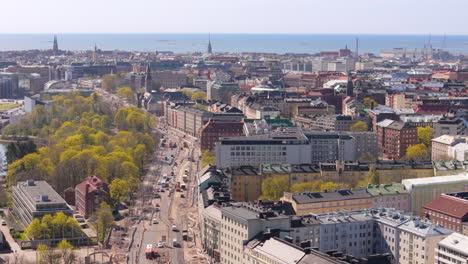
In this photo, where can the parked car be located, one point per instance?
(174, 228)
(160, 245)
(155, 221)
(4, 223)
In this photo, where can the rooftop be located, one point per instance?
(456, 242)
(40, 192)
(386, 189)
(338, 195)
(450, 206)
(422, 182)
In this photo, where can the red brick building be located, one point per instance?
(449, 210)
(394, 137)
(90, 193)
(213, 130)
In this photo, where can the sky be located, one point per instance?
(236, 16)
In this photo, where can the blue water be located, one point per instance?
(275, 43)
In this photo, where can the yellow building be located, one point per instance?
(329, 201)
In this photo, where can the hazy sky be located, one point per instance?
(235, 16)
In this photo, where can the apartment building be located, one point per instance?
(330, 122)
(34, 199)
(424, 190)
(392, 195)
(418, 241)
(366, 143)
(452, 250)
(442, 146)
(187, 119)
(90, 193)
(452, 126)
(394, 137)
(328, 201)
(241, 222)
(213, 130)
(331, 146)
(449, 210)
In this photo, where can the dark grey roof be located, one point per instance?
(315, 197)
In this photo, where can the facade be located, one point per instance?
(452, 250)
(277, 147)
(452, 126)
(213, 130)
(331, 146)
(222, 91)
(418, 241)
(330, 122)
(187, 119)
(391, 195)
(89, 194)
(34, 199)
(328, 201)
(449, 210)
(424, 190)
(241, 222)
(366, 143)
(441, 146)
(394, 137)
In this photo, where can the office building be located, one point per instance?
(34, 199)
(331, 146)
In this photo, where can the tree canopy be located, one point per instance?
(103, 220)
(199, 96)
(208, 158)
(359, 126)
(315, 186)
(425, 135)
(56, 226)
(274, 187)
(418, 151)
(127, 94)
(119, 189)
(109, 82)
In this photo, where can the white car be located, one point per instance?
(160, 245)
(174, 228)
(3, 223)
(155, 221)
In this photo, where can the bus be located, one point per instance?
(149, 251)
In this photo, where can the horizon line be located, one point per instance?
(235, 33)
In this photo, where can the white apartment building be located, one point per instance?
(440, 146)
(418, 241)
(452, 250)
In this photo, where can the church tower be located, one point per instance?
(55, 47)
(210, 50)
(95, 53)
(349, 86)
(148, 80)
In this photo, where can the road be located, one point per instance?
(173, 209)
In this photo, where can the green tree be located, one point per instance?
(425, 135)
(127, 94)
(46, 255)
(103, 220)
(208, 158)
(304, 187)
(359, 126)
(67, 253)
(199, 96)
(186, 92)
(119, 189)
(369, 103)
(274, 187)
(418, 151)
(35, 230)
(109, 82)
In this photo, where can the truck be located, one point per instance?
(150, 253)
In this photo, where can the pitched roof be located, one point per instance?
(453, 207)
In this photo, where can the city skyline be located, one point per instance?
(182, 16)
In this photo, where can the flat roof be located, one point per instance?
(40, 192)
(456, 242)
(410, 183)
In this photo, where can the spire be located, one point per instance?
(148, 80)
(210, 50)
(95, 53)
(55, 47)
(349, 85)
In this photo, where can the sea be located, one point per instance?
(267, 43)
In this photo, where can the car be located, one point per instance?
(4, 223)
(157, 205)
(80, 220)
(174, 242)
(155, 221)
(157, 196)
(174, 228)
(84, 225)
(160, 245)
(182, 195)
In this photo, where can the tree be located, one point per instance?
(207, 158)
(373, 176)
(46, 255)
(103, 220)
(119, 189)
(303, 187)
(370, 103)
(17, 150)
(274, 187)
(359, 126)
(109, 82)
(127, 94)
(425, 135)
(199, 106)
(187, 93)
(199, 96)
(35, 230)
(67, 253)
(418, 151)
